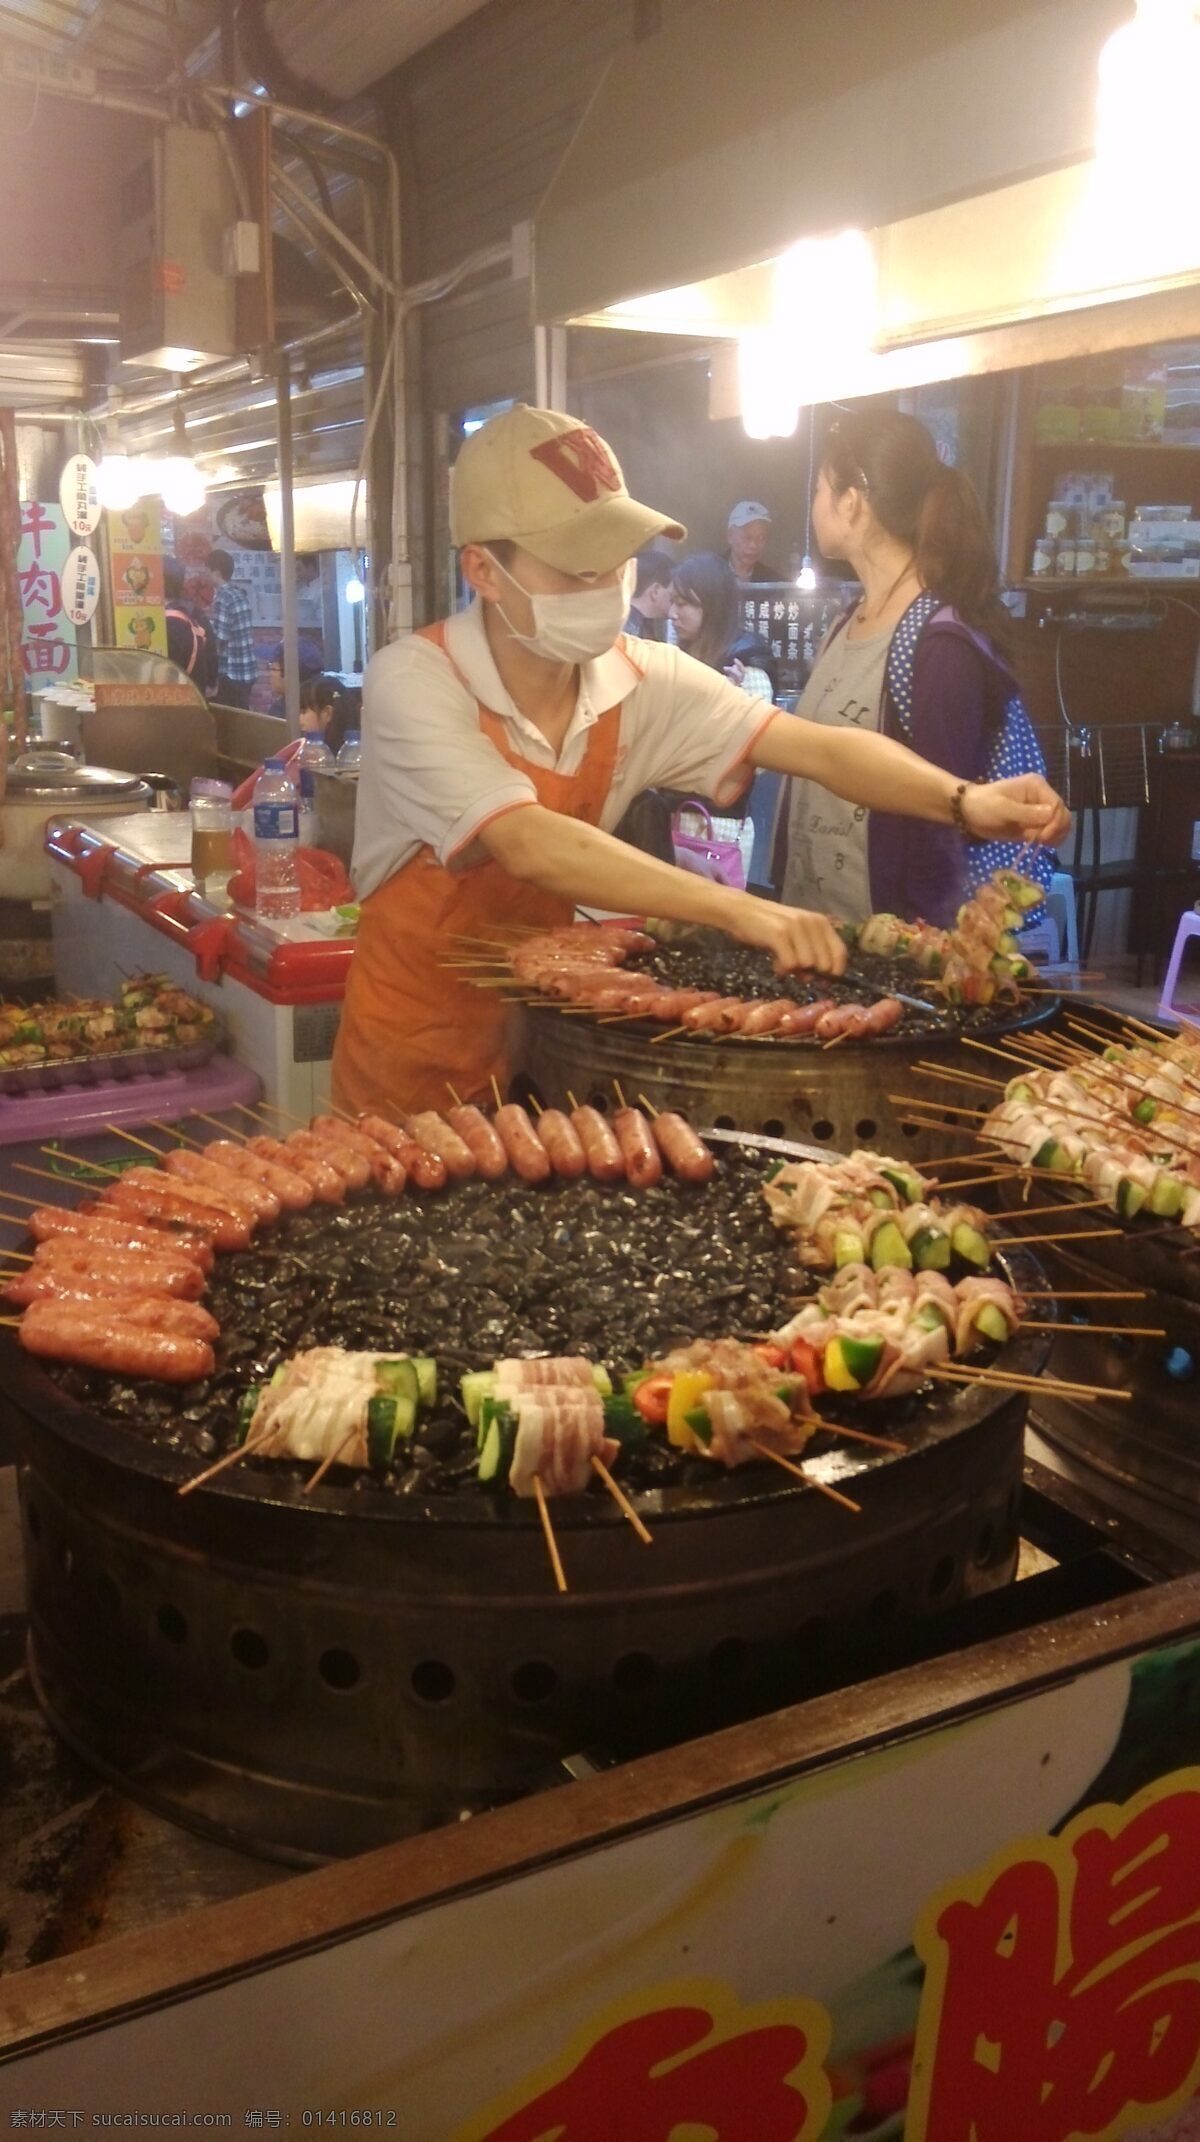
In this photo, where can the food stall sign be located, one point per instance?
(983, 1929)
(47, 637)
(79, 495)
(81, 585)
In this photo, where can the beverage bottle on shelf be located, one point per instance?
(276, 839)
(313, 754)
(349, 758)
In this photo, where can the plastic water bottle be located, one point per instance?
(314, 754)
(349, 758)
(276, 839)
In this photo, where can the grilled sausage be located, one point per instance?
(388, 1174)
(144, 1270)
(802, 1018)
(722, 1017)
(882, 1017)
(425, 1169)
(527, 1155)
(211, 1183)
(287, 1184)
(149, 1194)
(327, 1186)
(682, 1148)
(439, 1137)
(97, 1337)
(562, 1141)
(54, 1223)
(353, 1167)
(596, 1137)
(643, 1164)
(487, 1150)
(767, 1018)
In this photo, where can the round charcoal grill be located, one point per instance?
(1146, 1448)
(835, 1097)
(309, 1676)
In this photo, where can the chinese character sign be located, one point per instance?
(1063, 1989)
(79, 495)
(48, 637)
(693, 2061)
(81, 584)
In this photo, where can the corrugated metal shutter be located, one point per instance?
(486, 116)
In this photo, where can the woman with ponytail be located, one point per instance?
(919, 659)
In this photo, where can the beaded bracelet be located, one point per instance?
(957, 813)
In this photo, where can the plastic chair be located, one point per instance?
(1062, 893)
(1040, 940)
(1189, 927)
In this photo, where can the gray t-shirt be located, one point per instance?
(827, 838)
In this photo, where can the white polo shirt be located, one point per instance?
(430, 778)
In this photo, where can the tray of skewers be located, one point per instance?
(152, 1027)
(428, 1307)
(903, 977)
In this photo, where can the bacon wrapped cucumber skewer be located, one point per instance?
(329, 1403)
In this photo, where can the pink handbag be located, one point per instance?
(704, 851)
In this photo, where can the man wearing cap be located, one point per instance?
(503, 745)
(748, 531)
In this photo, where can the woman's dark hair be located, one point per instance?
(892, 459)
(707, 580)
(319, 692)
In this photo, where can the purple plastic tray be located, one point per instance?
(36, 1119)
(104, 1070)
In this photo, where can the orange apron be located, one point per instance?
(410, 1026)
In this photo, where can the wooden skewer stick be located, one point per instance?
(499, 1101)
(1060, 1206)
(1106, 1331)
(548, 1529)
(836, 1043)
(950, 1108)
(239, 1108)
(970, 1379)
(959, 1078)
(343, 1115)
(621, 1101)
(289, 1115)
(1079, 1234)
(571, 1098)
(668, 1034)
(17, 1256)
(648, 1105)
(859, 1435)
(19, 1199)
(799, 1473)
(78, 1160)
(622, 1501)
(1083, 1294)
(316, 1478)
(215, 1124)
(115, 1131)
(454, 1094)
(14, 1219)
(977, 1373)
(243, 1450)
(1010, 1056)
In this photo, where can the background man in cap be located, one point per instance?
(502, 746)
(749, 529)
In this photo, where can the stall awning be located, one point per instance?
(744, 127)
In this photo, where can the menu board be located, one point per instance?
(136, 577)
(47, 637)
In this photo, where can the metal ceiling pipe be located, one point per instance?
(228, 371)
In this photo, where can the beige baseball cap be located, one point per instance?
(553, 485)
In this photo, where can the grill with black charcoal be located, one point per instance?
(310, 1671)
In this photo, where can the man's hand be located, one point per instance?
(794, 936)
(736, 671)
(1025, 808)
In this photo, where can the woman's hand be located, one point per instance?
(794, 936)
(736, 671)
(1025, 808)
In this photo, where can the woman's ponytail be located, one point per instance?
(954, 551)
(893, 460)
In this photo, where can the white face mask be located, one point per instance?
(578, 627)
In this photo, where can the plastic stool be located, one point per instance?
(1189, 926)
(1062, 889)
(1040, 940)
